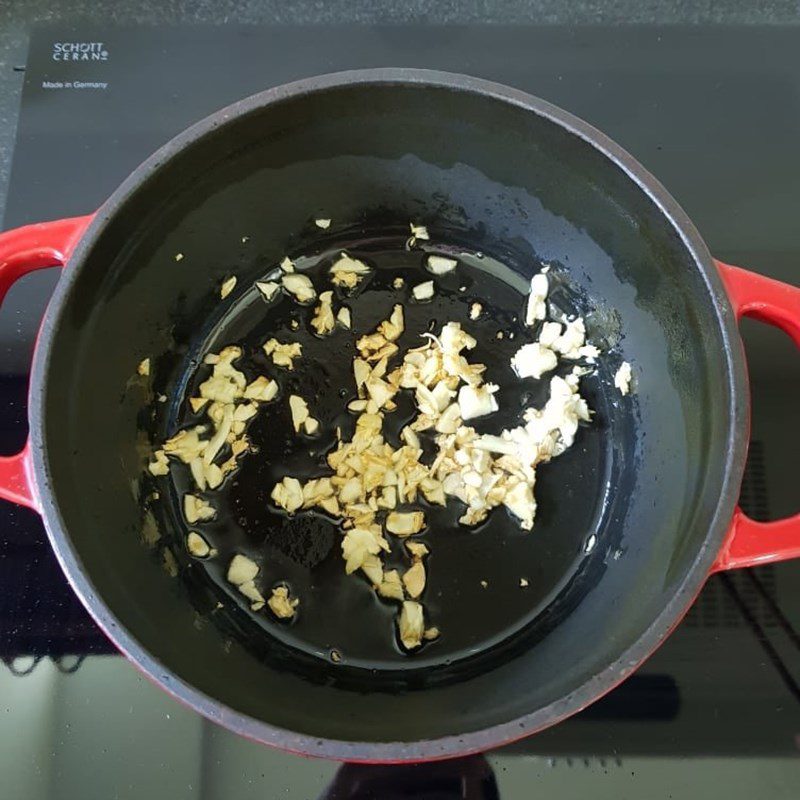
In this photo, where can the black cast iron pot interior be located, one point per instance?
(487, 170)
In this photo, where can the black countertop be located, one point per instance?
(17, 19)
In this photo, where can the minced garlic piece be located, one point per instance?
(281, 605)
(186, 445)
(418, 231)
(348, 272)
(414, 579)
(417, 549)
(197, 403)
(241, 570)
(430, 634)
(405, 523)
(300, 287)
(440, 265)
(398, 283)
(323, 321)
(322, 223)
(287, 265)
(391, 587)
(477, 401)
(300, 415)
(411, 624)
(179, 256)
(228, 285)
(523, 582)
(241, 573)
(423, 291)
(268, 288)
(144, 367)
(160, 464)
(475, 310)
(359, 543)
(288, 494)
(195, 509)
(197, 545)
(262, 389)
(533, 360)
(622, 378)
(537, 306)
(282, 354)
(343, 317)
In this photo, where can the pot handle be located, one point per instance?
(750, 543)
(24, 250)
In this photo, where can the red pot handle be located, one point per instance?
(24, 250)
(749, 542)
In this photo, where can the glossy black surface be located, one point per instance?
(724, 684)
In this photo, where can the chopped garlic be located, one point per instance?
(477, 401)
(405, 523)
(262, 389)
(423, 291)
(282, 354)
(417, 549)
(195, 509)
(398, 283)
(300, 287)
(197, 545)
(287, 265)
(179, 256)
(391, 587)
(241, 569)
(227, 287)
(144, 367)
(414, 580)
(288, 494)
(310, 425)
(299, 409)
(343, 317)
(268, 288)
(430, 634)
(475, 310)
(348, 272)
(419, 231)
(323, 321)
(186, 445)
(159, 465)
(359, 543)
(322, 223)
(197, 403)
(537, 306)
(440, 265)
(622, 378)
(281, 605)
(523, 582)
(533, 360)
(450, 419)
(411, 624)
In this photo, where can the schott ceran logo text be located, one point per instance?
(79, 51)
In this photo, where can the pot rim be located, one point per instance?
(454, 744)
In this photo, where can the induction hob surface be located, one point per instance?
(715, 113)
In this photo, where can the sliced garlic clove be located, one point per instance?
(300, 287)
(423, 291)
(197, 545)
(241, 570)
(411, 624)
(440, 265)
(281, 604)
(405, 523)
(268, 289)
